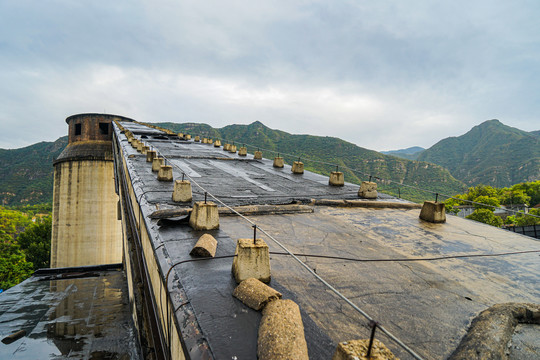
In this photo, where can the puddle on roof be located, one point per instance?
(84, 318)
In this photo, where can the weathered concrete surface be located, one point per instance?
(525, 343)
(252, 260)
(336, 178)
(281, 333)
(150, 155)
(491, 332)
(429, 304)
(157, 163)
(82, 318)
(255, 294)
(366, 204)
(205, 247)
(434, 212)
(204, 216)
(182, 191)
(165, 173)
(278, 162)
(85, 227)
(358, 349)
(298, 167)
(368, 190)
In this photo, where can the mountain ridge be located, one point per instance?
(490, 153)
(410, 153)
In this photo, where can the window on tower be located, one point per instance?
(104, 128)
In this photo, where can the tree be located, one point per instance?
(451, 205)
(524, 220)
(490, 202)
(532, 189)
(517, 196)
(12, 222)
(13, 265)
(486, 216)
(35, 241)
(481, 190)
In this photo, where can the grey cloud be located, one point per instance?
(410, 72)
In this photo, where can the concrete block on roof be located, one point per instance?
(157, 162)
(188, 137)
(336, 178)
(281, 332)
(278, 162)
(197, 138)
(252, 260)
(357, 350)
(242, 151)
(165, 173)
(226, 147)
(204, 216)
(145, 150)
(298, 167)
(217, 143)
(182, 191)
(139, 146)
(205, 141)
(232, 149)
(368, 190)
(433, 212)
(257, 155)
(255, 293)
(150, 155)
(205, 247)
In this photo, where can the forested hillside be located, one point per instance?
(26, 174)
(332, 150)
(490, 154)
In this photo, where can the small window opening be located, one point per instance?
(104, 128)
(77, 129)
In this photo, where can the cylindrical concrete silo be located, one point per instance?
(85, 226)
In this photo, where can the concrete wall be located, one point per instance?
(158, 288)
(85, 228)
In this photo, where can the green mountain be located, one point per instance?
(330, 150)
(411, 153)
(26, 174)
(490, 153)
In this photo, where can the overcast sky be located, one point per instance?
(381, 74)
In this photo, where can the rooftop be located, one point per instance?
(428, 304)
(81, 313)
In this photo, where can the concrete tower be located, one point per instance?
(85, 226)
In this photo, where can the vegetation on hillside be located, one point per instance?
(25, 242)
(26, 174)
(486, 199)
(321, 154)
(490, 153)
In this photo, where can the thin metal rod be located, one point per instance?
(371, 338)
(254, 234)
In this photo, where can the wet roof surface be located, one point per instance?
(73, 318)
(429, 305)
